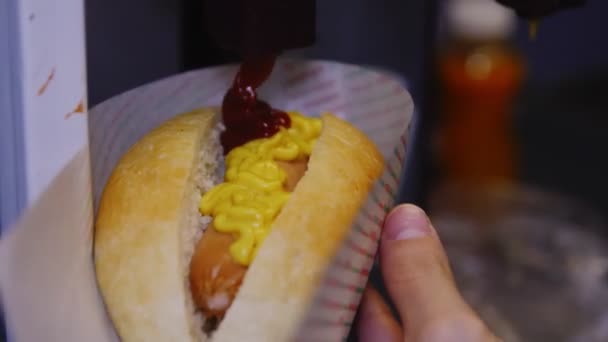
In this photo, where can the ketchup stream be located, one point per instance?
(245, 116)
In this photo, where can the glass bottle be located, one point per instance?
(480, 73)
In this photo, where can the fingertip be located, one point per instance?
(414, 266)
(406, 222)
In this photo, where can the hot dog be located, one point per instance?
(219, 224)
(214, 276)
(151, 240)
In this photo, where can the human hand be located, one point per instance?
(420, 283)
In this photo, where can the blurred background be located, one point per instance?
(508, 152)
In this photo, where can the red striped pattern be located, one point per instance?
(371, 216)
(371, 235)
(353, 245)
(335, 283)
(335, 304)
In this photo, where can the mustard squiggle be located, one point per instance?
(253, 194)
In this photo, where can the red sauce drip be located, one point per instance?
(245, 116)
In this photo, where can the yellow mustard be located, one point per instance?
(253, 193)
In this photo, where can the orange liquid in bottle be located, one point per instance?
(479, 83)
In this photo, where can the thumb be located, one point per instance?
(417, 275)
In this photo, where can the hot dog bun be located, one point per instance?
(148, 224)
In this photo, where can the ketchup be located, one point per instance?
(245, 116)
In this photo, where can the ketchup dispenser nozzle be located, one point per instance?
(261, 27)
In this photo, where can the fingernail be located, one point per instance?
(406, 222)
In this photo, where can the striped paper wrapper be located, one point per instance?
(373, 101)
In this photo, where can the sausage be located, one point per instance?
(214, 276)
(294, 170)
